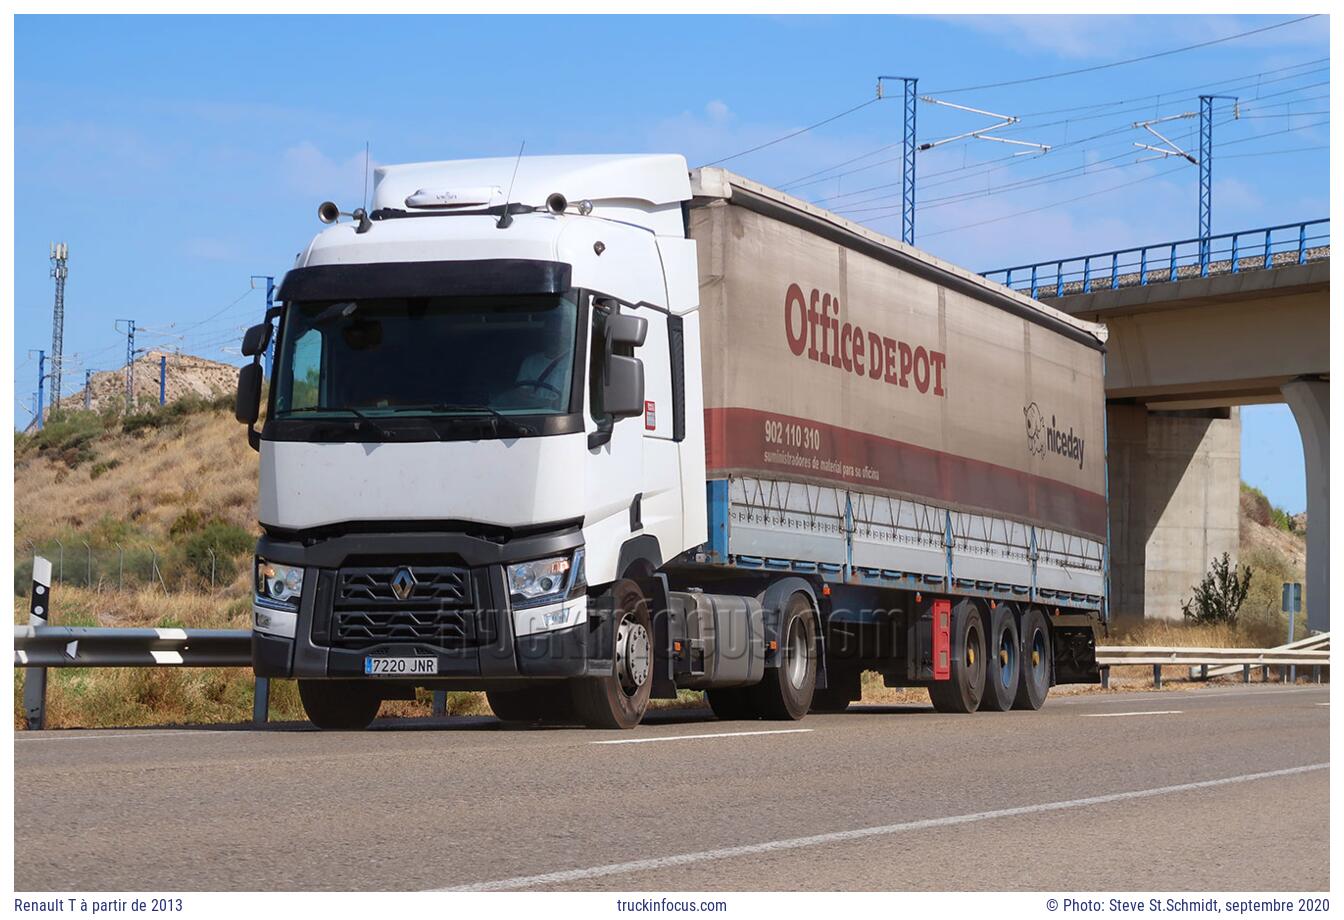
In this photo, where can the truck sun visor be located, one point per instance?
(467, 277)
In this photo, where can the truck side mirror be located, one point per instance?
(256, 339)
(623, 387)
(623, 375)
(247, 404)
(625, 330)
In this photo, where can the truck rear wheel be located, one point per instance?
(966, 683)
(544, 703)
(1002, 666)
(340, 705)
(785, 693)
(1034, 686)
(620, 699)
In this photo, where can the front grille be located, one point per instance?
(431, 587)
(442, 628)
(437, 607)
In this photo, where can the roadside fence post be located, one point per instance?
(1157, 677)
(60, 563)
(1106, 678)
(88, 564)
(35, 679)
(121, 560)
(1316, 673)
(261, 700)
(439, 706)
(1204, 672)
(1245, 674)
(212, 567)
(1264, 674)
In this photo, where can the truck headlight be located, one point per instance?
(545, 581)
(279, 584)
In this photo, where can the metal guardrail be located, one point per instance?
(39, 646)
(96, 647)
(1228, 253)
(1312, 652)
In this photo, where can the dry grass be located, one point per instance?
(201, 463)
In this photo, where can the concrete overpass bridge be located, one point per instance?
(1199, 328)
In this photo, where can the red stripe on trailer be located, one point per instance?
(736, 442)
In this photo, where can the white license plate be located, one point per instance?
(400, 665)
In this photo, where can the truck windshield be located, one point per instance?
(498, 355)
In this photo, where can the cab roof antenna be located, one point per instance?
(505, 219)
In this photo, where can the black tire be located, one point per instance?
(731, 704)
(966, 683)
(830, 700)
(620, 699)
(1003, 667)
(340, 705)
(785, 693)
(1036, 660)
(544, 703)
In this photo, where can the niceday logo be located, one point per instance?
(1042, 437)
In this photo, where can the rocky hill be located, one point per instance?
(186, 376)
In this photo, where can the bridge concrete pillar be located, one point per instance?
(1174, 487)
(1309, 398)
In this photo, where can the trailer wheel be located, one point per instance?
(547, 703)
(731, 704)
(620, 699)
(785, 693)
(340, 705)
(962, 690)
(1034, 686)
(1003, 669)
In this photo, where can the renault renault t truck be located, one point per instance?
(582, 431)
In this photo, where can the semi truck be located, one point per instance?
(585, 431)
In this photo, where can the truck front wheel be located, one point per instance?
(620, 699)
(786, 691)
(340, 705)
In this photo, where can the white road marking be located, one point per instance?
(86, 735)
(1113, 715)
(1124, 697)
(1322, 704)
(795, 843)
(777, 731)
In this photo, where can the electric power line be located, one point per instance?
(1146, 57)
(791, 134)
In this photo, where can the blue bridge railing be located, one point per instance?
(1228, 253)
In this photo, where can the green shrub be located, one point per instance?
(103, 466)
(156, 417)
(67, 435)
(1218, 598)
(229, 542)
(1257, 507)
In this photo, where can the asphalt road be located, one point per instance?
(1179, 790)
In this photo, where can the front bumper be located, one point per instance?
(475, 637)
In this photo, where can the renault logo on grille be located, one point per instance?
(403, 583)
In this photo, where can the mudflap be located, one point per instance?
(655, 590)
(1075, 649)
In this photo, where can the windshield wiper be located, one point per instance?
(497, 418)
(364, 419)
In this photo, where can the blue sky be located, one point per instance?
(180, 155)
